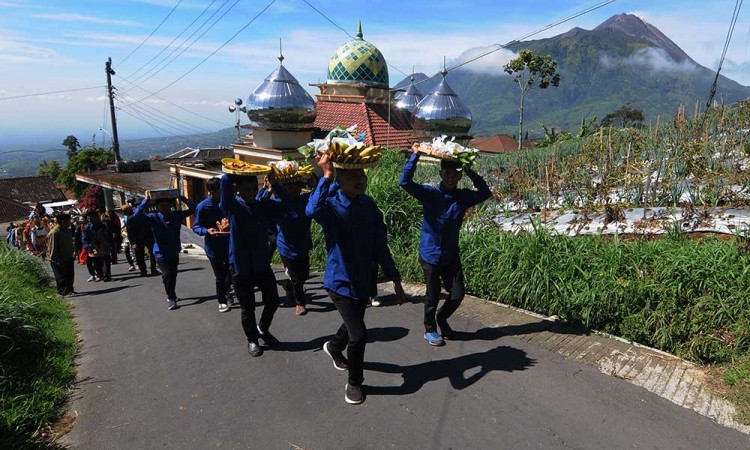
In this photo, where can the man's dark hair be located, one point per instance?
(63, 217)
(92, 213)
(446, 164)
(214, 184)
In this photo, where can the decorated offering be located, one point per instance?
(449, 149)
(344, 151)
(237, 167)
(289, 171)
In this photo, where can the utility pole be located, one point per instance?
(115, 141)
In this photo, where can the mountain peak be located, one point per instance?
(633, 26)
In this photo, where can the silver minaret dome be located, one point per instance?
(442, 112)
(409, 98)
(280, 102)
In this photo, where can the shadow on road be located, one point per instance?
(388, 334)
(491, 334)
(506, 359)
(196, 300)
(108, 290)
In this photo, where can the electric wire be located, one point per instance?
(730, 32)
(212, 53)
(159, 130)
(347, 33)
(152, 33)
(173, 40)
(526, 36)
(166, 61)
(50, 92)
(171, 103)
(161, 65)
(160, 119)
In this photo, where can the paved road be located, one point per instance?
(153, 378)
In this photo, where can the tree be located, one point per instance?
(53, 169)
(86, 160)
(73, 145)
(531, 70)
(625, 117)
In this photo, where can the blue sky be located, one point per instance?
(50, 45)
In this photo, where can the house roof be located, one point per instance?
(369, 118)
(31, 190)
(498, 143)
(11, 210)
(202, 153)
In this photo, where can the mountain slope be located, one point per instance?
(623, 60)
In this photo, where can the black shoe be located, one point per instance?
(268, 339)
(144, 274)
(107, 279)
(354, 395)
(155, 273)
(339, 361)
(254, 349)
(446, 329)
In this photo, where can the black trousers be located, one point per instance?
(103, 265)
(168, 267)
(129, 255)
(140, 256)
(64, 276)
(452, 277)
(243, 290)
(223, 276)
(91, 265)
(299, 272)
(351, 335)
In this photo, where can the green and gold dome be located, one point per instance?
(358, 61)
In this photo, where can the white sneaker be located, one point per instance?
(375, 301)
(131, 269)
(223, 307)
(91, 278)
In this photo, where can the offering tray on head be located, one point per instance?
(290, 171)
(236, 167)
(448, 150)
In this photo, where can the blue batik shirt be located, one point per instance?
(166, 229)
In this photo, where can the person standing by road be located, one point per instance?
(356, 239)
(443, 209)
(208, 218)
(250, 255)
(165, 224)
(96, 243)
(62, 254)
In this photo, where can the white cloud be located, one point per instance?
(491, 64)
(70, 17)
(656, 59)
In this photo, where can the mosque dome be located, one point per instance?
(442, 112)
(280, 102)
(410, 98)
(358, 61)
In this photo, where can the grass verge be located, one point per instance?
(37, 347)
(690, 297)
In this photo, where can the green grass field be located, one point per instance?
(37, 347)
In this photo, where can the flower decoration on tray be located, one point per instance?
(344, 149)
(289, 171)
(237, 167)
(443, 148)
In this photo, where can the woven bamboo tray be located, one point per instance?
(366, 165)
(253, 173)
(438, 155)
(293, 178)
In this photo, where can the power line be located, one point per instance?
(171, 103)
(154, 127)
(152, 33)
(347, 33)
(145, 76)
(214, 52)
(158, 117)
(50, 92)
(732, 23)
(533, 33)
(177, 37)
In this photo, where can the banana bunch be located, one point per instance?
(342, 153)
(290, 169)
